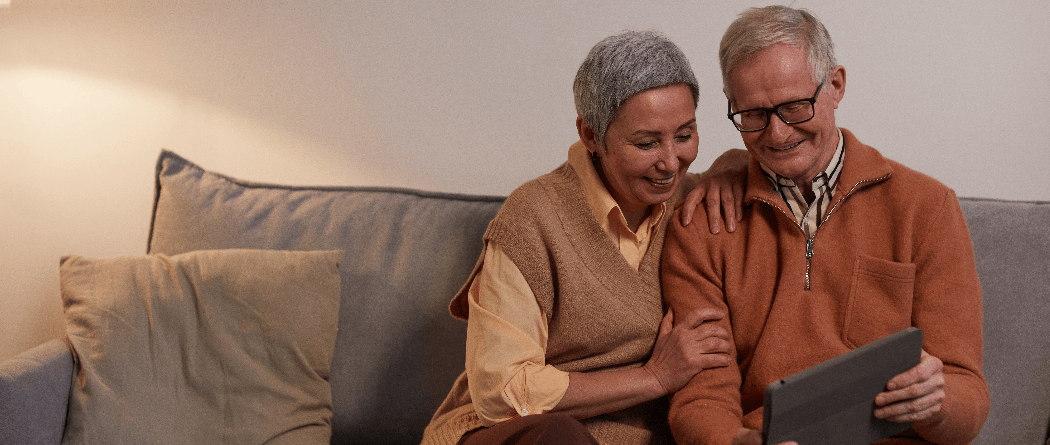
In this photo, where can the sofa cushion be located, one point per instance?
(398, 350)
(206, 347)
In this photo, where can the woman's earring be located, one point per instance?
(594, 156)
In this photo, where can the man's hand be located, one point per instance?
(915, 395)
(722, 187)
(745, 436)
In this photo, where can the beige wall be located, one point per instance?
(464, 96)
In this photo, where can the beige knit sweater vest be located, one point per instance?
(601, 313)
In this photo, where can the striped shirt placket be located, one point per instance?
(809, 216)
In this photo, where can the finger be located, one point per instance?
(714, 217)
(927, 367)
(713, 360)
(911, 376)
(714, 345)
(714, 213)
(753, 437)
(921, 406)
(667, 323)
(729, 204)
(912, 410)
(710, 330)
(747, 437)
(692, 201)
(738, 193)
(697, 317)
(921, 389)
(917, 416)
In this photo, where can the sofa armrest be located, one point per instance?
(34, 394)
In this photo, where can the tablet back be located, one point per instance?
(833, 402)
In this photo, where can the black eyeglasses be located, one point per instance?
(757, 119)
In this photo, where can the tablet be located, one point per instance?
(833, 402)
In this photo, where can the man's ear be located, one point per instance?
(837, 82)
(587, 135)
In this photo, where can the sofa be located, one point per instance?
(404, 253)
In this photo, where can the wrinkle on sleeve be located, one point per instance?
(506, 345)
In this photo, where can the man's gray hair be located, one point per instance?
(623, 65)
(759, 28)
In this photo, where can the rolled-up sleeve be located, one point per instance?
(506, 345)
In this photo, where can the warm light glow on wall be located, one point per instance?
(56, 114)
(77, 152)
(62, 109)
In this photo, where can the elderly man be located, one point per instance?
(838, 247)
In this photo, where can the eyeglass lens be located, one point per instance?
(790, 113)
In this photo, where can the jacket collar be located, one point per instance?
(863, 166)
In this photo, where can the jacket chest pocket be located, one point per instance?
(880, 300)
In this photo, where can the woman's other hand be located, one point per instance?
(722, 187)
(688, 347)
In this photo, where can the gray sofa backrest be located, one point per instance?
(408, 252)
(1012, 242)
(397, 351)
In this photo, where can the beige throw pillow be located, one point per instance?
(207, 347)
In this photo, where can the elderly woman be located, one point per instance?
(567, 340)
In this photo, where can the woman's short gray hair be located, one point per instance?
(759, 28)
(623, 65)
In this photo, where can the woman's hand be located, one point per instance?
(694, 344)
(681, 351)
(722, 186)
(915, 395)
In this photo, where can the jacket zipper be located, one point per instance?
(809, 257)
(812, 239)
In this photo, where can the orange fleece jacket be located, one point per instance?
(893, 252)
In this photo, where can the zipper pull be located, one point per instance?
(809, 259)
